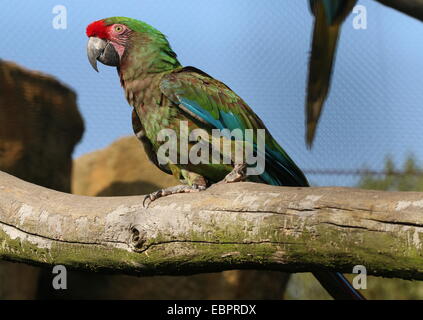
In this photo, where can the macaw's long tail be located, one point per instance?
(325, 38)
(329, 16)
(337, 286)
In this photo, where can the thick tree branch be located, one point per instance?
(241, 225)
(413, 8)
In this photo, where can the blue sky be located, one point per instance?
(259, 49)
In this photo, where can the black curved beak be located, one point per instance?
(103, 51)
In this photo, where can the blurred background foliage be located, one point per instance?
(408, 178)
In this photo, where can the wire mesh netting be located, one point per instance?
(260, 50)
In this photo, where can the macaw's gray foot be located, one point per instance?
(238, 174)
(182, 188)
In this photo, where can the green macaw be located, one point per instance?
(165, 94)
(329, 16)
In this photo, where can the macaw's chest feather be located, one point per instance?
(155, 111)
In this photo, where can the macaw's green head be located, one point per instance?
(113, 39)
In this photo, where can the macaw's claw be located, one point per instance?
(182, 188)
(239, 173)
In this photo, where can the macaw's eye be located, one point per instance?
(118, 28)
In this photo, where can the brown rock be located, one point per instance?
(39, 126)
(118, 170)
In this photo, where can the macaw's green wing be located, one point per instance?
(329, 15)
(215, 105)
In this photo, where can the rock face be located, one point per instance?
(39, 127)
(123, 169)
(118, 170)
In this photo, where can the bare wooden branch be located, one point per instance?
(413, 8)
(234, 226)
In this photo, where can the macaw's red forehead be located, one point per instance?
(98, 29)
